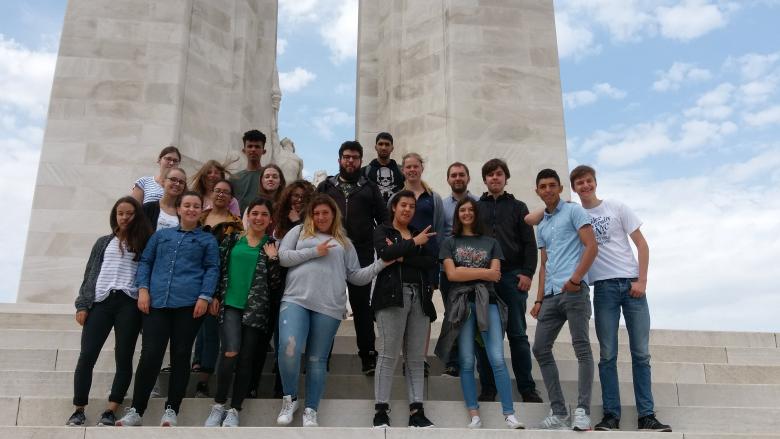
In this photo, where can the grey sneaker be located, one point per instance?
(216, 415)
(77, 419)
(289, 407)
(310, 417)
(168, 418)
(581, 420)
(130, 419)
(554, 422)
(231, 418)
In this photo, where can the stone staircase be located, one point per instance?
(705, 384)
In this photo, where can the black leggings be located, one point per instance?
(251, 345)
(160, 325)
(120, 312)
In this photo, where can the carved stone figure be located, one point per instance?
(319, 177)
(291, 164)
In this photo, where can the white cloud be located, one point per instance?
(25, 77)
(574, 41)
(759, 91)
(586, 97)
(769, 116)
(281, 46)
(755, 65)
(715, 104)
(629, 145)
(329, 118)
(690, 19)
(578, 21)
(25, 86)
(703, 250)
(340, 35)
(291, 82)
(678, 74)
(296, 11)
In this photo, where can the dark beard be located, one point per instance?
(349, 176)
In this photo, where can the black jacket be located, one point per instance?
(504, 220)
(362, 212)
(388, 290)
(152, 212)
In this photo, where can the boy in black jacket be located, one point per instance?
(362, 209)
(503, 217)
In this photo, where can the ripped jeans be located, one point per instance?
(299, 327)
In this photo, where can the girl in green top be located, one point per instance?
(247, 302)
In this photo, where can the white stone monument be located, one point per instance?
(461, 80)
(291, 164)
(133, 76)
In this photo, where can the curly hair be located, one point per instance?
(282, 223)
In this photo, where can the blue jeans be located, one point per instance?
(299, 327)
(609, 297)
(494, 346)
(519, 347)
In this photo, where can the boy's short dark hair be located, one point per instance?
(547, 173)
(493, 164)
(458, 165)
(351, 145)
(384, 136)
(581, 171)
(253, 136)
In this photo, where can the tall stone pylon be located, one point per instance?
(133, 76)
(463, 80)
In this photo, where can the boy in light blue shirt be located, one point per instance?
(568, 249)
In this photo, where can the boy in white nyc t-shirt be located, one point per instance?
(620, 282)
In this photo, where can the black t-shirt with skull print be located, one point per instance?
(389, 178)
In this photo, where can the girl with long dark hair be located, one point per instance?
(107, 300)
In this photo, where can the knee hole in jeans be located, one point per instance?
(231, 354)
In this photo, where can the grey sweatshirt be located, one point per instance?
(319, 283)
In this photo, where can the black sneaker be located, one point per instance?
(650, 423)
(107, 419)
(487, 396)
(381, 420)
(78, 418)
(451, 372)
(369, 363)
(418, 420)
(202, 389)
(531, 396)
(608, 423)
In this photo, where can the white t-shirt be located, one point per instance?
(165, 221)
(612, 222)
(117, 272)
(152, 190)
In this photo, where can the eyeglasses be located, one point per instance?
(175, 180)
(218, 192)
(297, 196)
(171, 160)
(347, 158)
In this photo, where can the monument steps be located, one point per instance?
(707, 384)
(342, 433)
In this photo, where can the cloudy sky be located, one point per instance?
(675, 103)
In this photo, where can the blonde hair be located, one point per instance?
(198, 181)
(418, 157)
(336, 228)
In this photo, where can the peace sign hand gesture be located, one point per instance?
(324, 247)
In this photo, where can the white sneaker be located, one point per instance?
(476, 422)
(130, 419)
(554, 422)
(216, 416)
(310, 417)
(512, 422)
(168, 418)
(289, 407)
(231, 418)
(581, 420)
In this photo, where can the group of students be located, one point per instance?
(270, 263)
